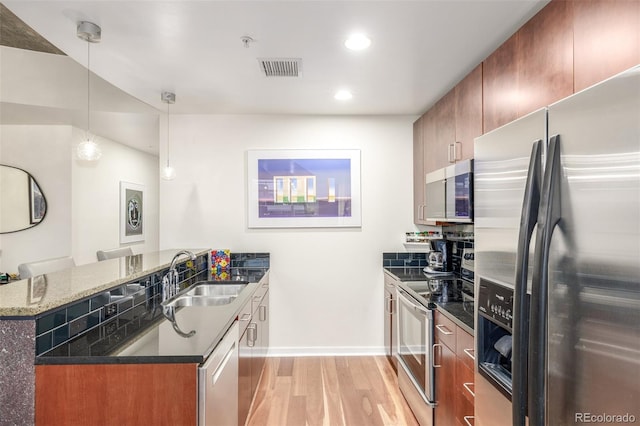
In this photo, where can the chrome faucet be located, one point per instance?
(170, 286)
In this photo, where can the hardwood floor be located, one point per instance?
(335, 391)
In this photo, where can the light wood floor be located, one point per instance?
(334, 391)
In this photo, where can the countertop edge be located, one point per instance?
(27, 312)
(455, 319)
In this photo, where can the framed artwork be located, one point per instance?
(37, 204)
(131, 212)
(303, 188)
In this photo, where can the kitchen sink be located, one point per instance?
(191, 300)
(214, 288)
(208, 293)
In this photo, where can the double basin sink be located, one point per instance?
(208, 293)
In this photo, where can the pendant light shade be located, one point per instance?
(88, 149)
(168, 172)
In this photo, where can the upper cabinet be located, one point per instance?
(564, 48)
(468, 110)
(453, 123)
(418, 172)
(533, 68)
(606, 39)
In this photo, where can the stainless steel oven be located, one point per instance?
(415, 356)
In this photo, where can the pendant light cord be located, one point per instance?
(168, 136)
(88, 90)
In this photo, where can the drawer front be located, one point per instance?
(465, 382)
(445, 330)
(465, 348)
(244, 317)
(258, 296)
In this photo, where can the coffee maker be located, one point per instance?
(440, 257)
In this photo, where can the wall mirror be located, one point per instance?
(23, 204)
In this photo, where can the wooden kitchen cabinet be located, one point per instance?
(606, 39)
(464, 384)
(500, 86)
(418, 173)
(437, 153)
(468, 113)
(117, 394)
(544, 57)
(252, 347)
(454, 353)
(532, 69)
(445, 372)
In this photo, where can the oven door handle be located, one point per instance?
(412, 302)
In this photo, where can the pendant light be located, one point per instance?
(88, 149)
(168, 172)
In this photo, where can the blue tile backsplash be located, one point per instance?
(96, 325)
(420, 259)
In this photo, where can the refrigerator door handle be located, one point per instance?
(528, 220)
(548, 219)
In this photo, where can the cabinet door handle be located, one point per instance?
(466, 386)
(245, 317)
(466, 420)
(263, 313)
(389, 305)
(457, 153)
(443, 329)
(469, 353)
(451, 148)
(252, 334)
(433, 356)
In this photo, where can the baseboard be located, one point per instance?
(326, 351)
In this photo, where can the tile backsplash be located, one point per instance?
(420, 259)
(97, 324)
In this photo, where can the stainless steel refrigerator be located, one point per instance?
(557, 257)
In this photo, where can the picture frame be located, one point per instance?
(303, 188)
(37, 203)
(132, 212)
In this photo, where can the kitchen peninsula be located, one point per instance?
(90, 313)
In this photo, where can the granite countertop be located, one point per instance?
(33, 296)
(454, 310)
(162, 344)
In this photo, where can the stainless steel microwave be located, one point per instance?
(449, 193)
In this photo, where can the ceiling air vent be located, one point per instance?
(281, 67)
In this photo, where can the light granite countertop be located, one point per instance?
(33, 296)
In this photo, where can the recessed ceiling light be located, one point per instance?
(357, 42)
(343, 95)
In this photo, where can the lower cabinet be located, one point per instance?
(453, 358)
(253, 347)
(390, 321)
(117, 394)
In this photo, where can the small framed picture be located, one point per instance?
(132, 219)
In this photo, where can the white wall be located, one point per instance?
(82, 198)
(326, 284)
(96, 199)
(47, 159)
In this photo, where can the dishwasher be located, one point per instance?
(218, 383)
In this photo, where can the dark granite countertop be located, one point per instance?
(160, 343)
(416, 282)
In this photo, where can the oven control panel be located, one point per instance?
(495, 302)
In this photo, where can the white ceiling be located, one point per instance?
(419, 50)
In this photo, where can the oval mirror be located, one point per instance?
(22, 203)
